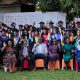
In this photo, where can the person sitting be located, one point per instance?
(9, 57)
(40, 52)
(68, 50)
(53, 54)
(23, 55)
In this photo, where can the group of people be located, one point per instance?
(48, 42)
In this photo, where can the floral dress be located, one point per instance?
(9, 58)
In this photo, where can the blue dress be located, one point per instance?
(53, 49)
(77, 56)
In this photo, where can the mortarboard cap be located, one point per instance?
(41, 22)
(51, 22)
(60, 22)
(78, 22)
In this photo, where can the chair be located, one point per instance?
(39, 63)
(76, 65)
(57, 65)
(25, 64)
(70, 64)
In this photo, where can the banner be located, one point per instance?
(34, 17)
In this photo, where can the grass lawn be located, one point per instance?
(40, 75)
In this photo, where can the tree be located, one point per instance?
(49, 5)
(71, 7)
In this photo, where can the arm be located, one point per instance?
(76, 51)
(34, 48)
(46, 50)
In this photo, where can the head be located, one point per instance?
(3, 32)
(78, 33)
(54, 31)
(32, 35)
(20, 27)
(15, 33)
(24, 43)
(79, 43)
(40, 40)
(30, 28)
(0, 25)
(1, 42)
(9, 29)
(26, 26)
(36, 33)
(67, 41)
(54, 42)
(45, 31)
(51, 24)
(41, 24)
(60, 23)
(13, 25)
(10, 42)
(25, 32)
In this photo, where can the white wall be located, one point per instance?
(1, 17)
(30, 17)
(77, 19)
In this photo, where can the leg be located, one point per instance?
(10, 67)
(50, 65)
(53, 65)
(67, 65)
(78, 64)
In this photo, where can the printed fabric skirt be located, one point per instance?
(9, 59)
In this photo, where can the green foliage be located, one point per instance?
(71, 7)
(49, 5)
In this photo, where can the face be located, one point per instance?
(79, 42)
(15, 34)
(0, 25)
(54, 42)
(32, 34)
(0, 42)
(3, 33)
(78, 33)
(9, 30)
(26, 26)
(14, 25)
(25, 32)
(54, 31)
(36, 33)
(60, 24)
(31, 28)
(20, 28)
(25, 43)
(44, 31)
(9, 43)
(39, 41)
(67, 41)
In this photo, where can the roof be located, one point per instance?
(9, 2)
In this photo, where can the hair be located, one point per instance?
(11, 41)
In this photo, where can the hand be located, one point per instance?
(46, 54)
(72, 51)
(3, 48)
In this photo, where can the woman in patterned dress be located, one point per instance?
(9, 57)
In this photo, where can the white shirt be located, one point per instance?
(40, 48)
(25, 51)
